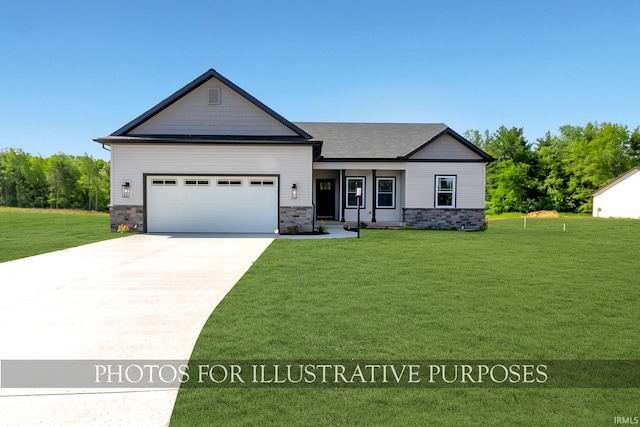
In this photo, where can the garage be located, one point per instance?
(220, 204)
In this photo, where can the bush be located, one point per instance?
(294, 229)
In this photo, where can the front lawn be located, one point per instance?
(538, 293)
(27, 232)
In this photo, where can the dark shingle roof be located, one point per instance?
(378, 140)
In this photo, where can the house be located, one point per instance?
(212, 158)
(620, 198)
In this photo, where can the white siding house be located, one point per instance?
(620, 198)
(212, 158)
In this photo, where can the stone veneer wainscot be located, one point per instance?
(444, 219)
(300, 216)
(128, 215)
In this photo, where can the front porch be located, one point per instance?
(384, 201)
(382, 196)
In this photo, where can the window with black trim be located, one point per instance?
(352, 185)
(196, 182)
(445, 191)
(261, 183)
(385, 193)
(163, 182)
(228, 182)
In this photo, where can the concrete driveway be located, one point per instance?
(142, 297)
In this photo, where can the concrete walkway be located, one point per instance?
(333, 232)
(142, 297)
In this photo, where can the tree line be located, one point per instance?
(558, 172)
(60, 181)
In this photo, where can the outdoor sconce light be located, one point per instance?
(294, 191)
(126, 190)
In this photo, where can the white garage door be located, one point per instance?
(227, 204)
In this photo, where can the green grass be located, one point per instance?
(27, 232)
(538, 293)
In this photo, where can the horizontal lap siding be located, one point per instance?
(470, 184)
(292, 163)
(192, 115)
(446, 147)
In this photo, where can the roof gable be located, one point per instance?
(448, 145)
(390, 141)
(188, 112)
(616, 181)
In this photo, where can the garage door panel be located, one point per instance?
(219, 206)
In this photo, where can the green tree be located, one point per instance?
(594, 155)
(511, 180)
(62, 177)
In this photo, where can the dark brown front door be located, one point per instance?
(326, 198)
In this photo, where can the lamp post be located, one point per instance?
(358, 198)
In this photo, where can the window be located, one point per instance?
(229, 182)
(261, 183)
(196, 182)
(445, 191)
(325, 185)
(385, 193)
(352, 185)
(163, 182)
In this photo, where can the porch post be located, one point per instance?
(373, 204)
(343, 193)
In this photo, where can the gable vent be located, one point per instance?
(214, 95)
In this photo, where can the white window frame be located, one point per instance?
(362, 199)
(445, 191)
(393, 192)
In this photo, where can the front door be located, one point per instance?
(326, 198)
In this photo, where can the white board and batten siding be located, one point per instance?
(620, 199)
(292, 164)
(194, 115)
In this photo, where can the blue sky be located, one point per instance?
(73, 70)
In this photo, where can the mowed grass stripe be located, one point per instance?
(508, 293)
(27, 232)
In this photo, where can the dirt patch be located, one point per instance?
(544, 214)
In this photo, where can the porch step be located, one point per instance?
(374, 225)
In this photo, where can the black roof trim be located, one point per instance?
(196, 138)
(459, 138)
(211, 73)
(400, 159)
(116, 140)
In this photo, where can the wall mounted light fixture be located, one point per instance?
(126, 190)
(294, 191)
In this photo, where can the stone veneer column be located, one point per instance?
(133, 216)
(444, 219)
(295, 215)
